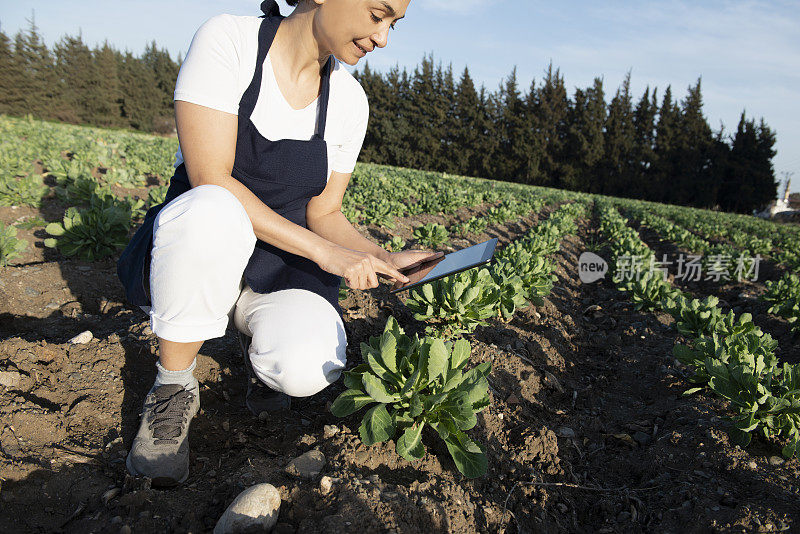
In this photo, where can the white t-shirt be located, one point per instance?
(218, 68)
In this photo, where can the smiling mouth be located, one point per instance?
(361, 48)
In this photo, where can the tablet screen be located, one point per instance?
(442, 266)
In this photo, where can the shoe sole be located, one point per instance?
(156, 481)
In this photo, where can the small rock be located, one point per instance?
(29, 291)
(125, 529)
(325, 485)
(776, 460)
(226, 426)
(307, 465)
(10, 379)
(307, 439)
(116, 520)
(82, 338)
(551, 380)
(328, 431)
(512, 399)
(565, 432)
(110, 494)
(113, 338)
(752, 464)
(642, 438)
(254, 509)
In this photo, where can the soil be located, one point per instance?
(588, 430)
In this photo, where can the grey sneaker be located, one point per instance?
(160, 450)
(260, 397)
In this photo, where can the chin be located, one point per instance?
(347, 59)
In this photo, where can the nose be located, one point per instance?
(381, 38)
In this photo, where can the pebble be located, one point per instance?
(325, 485)
(328, 431)
(125, 529)
(82, 338)
(31, 292)
(752, 464)
(116, 520)
(254, 509)
(10, 379)
(113, 338)
(110, 494)
(565, 432)
(307, 465)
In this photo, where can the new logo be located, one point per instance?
(591, 267)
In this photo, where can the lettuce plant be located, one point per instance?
(25, 191)
(694, 318)
(395, 244)
(413, 383)
(10, 246)
(92, 233)
(431, 235)
(456, 304)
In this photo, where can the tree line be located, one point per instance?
(77, 84)
(655, 148)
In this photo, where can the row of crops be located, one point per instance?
(729, 354)
(105, 181)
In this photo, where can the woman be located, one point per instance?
(252, 229)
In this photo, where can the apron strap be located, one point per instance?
(266, 34)
(270, 8)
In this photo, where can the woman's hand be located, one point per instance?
(359, 269)
(412, 258)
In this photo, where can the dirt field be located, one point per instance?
(588, 430)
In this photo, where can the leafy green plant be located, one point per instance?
(395, 244)
(10, 246)
(456, 304)
(694, 318)
(24, 191)
(156, 195)
(431, 235)
(416, 382)
(473, 225)
(92, 233)
(784, 297)
(32, 222)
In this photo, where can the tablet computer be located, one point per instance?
(442, 266)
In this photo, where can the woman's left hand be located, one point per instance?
(409, 258)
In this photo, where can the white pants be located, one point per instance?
(201, 244)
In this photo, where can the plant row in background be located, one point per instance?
(521, 273)
(728, 354)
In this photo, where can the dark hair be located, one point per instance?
(292, 3)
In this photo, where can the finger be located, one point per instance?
(372, 279)
(385, 268)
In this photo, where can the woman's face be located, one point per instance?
(350, 29)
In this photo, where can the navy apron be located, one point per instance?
(284, 174)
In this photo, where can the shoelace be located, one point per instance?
(168, 415)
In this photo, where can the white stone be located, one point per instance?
(82, 338)
(10, 379)
(325, 485)
(253, 510)
(328, 431)
(307, 465)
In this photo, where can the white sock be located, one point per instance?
(184, 377)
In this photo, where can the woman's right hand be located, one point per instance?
(359, 269)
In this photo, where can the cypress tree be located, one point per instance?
(106, 95)
(12, 97)
(465, 133)
(38, 83)
(138, 91)
(615, 169)
(695, 182)
(644, 124)
(584, 142)
(75, 72)
(667, 139)
(513, 151)
(548, 113)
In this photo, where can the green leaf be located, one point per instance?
(416, 408)
(54, 229)
(468, 456)
(437, 359)
(389, 351)
(349, 402)
(376, 388)
(376, 426)
(409, 446)
(352, 378)
(460, 354)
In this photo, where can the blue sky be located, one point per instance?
(747, 52)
